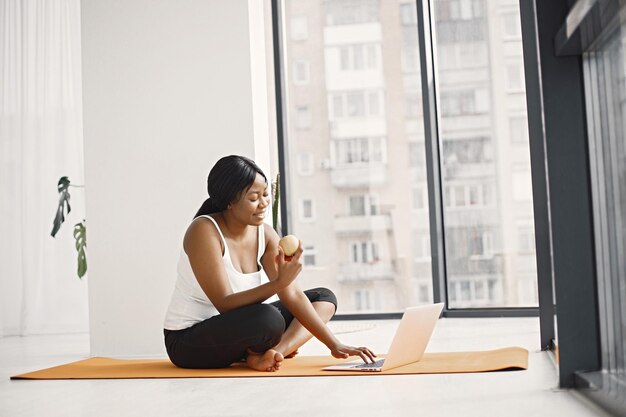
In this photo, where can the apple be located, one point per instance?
(289, 244)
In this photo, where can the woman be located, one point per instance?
(224, 307)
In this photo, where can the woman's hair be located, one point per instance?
(228, 179)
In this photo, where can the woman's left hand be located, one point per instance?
(342, 351)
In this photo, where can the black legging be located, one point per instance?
(224, 339)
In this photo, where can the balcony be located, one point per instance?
(460, 124)
(352, 224)
(369, 32)
(358, 175)
(358, 127)
(469, 170)
(379, 271)
(458, 217)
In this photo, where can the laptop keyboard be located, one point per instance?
(376, 364)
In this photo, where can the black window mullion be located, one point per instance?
(431, 139)
(281, 113)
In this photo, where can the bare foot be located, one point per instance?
(292, 354)
(269, 361)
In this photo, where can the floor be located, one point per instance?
(527, 393)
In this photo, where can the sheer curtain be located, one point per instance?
(40, 141)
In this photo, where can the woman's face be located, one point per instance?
(251, 207)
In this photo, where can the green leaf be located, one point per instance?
(276, 198)
(64, 204)
(80, 234)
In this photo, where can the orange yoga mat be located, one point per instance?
(510, 358)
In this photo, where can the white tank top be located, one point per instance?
(190, 305)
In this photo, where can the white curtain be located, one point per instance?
(40, 141)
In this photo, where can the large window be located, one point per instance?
(356, 152)
(485, 156)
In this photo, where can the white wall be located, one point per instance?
(169, 88)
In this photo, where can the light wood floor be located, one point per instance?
(522, 393)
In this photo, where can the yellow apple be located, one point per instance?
(289, 244)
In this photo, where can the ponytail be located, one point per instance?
(208, 207)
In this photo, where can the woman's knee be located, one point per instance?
(324, 294)
(269, 322)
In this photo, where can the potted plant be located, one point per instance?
(80, 230)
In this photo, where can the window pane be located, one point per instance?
(485, 155)
(303, 117)
(308, 256)
(361, 97)
(301, 72)
(356, 104)
(374, 107)
(357, 206)
(299, 28)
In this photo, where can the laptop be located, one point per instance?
(408, 344)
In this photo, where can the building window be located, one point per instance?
(355, 104)
(417, 154)
(337, 107)
(301, 72)
(459, 195)
(424, 294)
(419, 198)
(479, 290)
(309, 256)
(480, 244)
(408, 14)
(363, 205)
(526, 240)
(364, 252)
(351, 12)
(410, 58)
(514, 75)
(494, 290)
(450, 10)
(464, 102)
(303, 117)
(307, 210)
(358, 57)
(473, 291)
(358, 103)
(360, 150)
(299, 28)
(522, 184)
(373, 103)
(467, 151)
(305, 164)
(421, 247)
(511, 25)
(358, 60)
(465, 291)
(413, 106)
(371, 56)
(357, 205)
(519, 129)
(362, 299)
(467, 195)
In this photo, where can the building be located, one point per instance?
(357, 185)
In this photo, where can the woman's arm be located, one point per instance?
(203, 246)
(298, 304)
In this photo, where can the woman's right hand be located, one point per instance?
(341, 351)
(288, 266)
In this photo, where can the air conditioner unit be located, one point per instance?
(325, 163)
